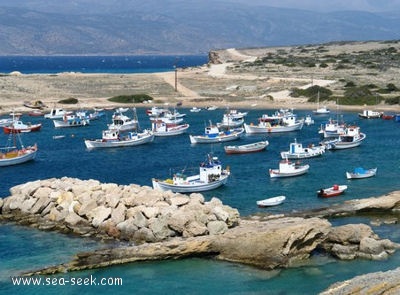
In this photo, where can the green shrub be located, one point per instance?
(70, 100)
(393, 100)
(133, 98)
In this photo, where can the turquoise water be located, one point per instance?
(23, 248)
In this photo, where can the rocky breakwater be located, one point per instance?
(164, 225)
(107, 210)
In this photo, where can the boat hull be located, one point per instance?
(368, 173)
(276, 173)
(9, 129)
(332, 191)
(190, 187)
(172, 131)
(271, 201)
(30, 155)
(99, 143)
(254, 129)
(71, 123)
(215, 139)
(247, 148)
(340, 145)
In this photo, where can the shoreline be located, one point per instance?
(232, 78)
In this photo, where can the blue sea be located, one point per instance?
(24, 248)
(98, 64)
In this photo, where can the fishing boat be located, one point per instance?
(212, 134)
(288, 169)
(274, 201)
(283, 124)
(19, 126)
(195, 110)
(57, 113)
(387, 116)
(36, 113)
(332, 129)
(37, 104)
(113, 138)
(15, 152)
(73, 120)
(297, 151)
(246, 148)
(211, 176)
(321, 110)
(332, 191)
(360, 172)
(5, 121)
(122, 122)
(231, 121)
(160, 128)
(352, 137)
(369, 114)
(308, 120)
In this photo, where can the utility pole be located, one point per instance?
(176, 79)
(176, 75)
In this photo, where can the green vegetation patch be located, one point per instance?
(70, 100)
(133, 98)
(312, 93)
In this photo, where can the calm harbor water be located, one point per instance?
(24, 248)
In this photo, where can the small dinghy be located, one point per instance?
(360, 172)
(271, 201)
(332, 191)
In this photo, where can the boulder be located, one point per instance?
(98, 215)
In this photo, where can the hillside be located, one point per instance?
(175, 26)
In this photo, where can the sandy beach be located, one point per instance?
(224, 84)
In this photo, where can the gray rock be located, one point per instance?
(99, 214)
(217, 227)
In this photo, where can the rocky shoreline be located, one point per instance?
(164, 225)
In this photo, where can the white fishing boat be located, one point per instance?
(274, 201)
(73, 120)
(284, 124)
(212, 134)
(352, 137)
(332, 129)
(288, 169)
(160, 128)
(195, 110)
(321, 110)
(122, 122)
(57, 113)
(5, 121)
(369, 114)
(14, 152)
(297, 151)
(360, 172)
(246, 148)
(231, 120)
(113, 139)
(308, 120)
(211, 176)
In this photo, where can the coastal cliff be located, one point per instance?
(164, 225)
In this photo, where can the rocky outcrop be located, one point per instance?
(353, 241)
(111, 211)
(165, 225)
(380, 283)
